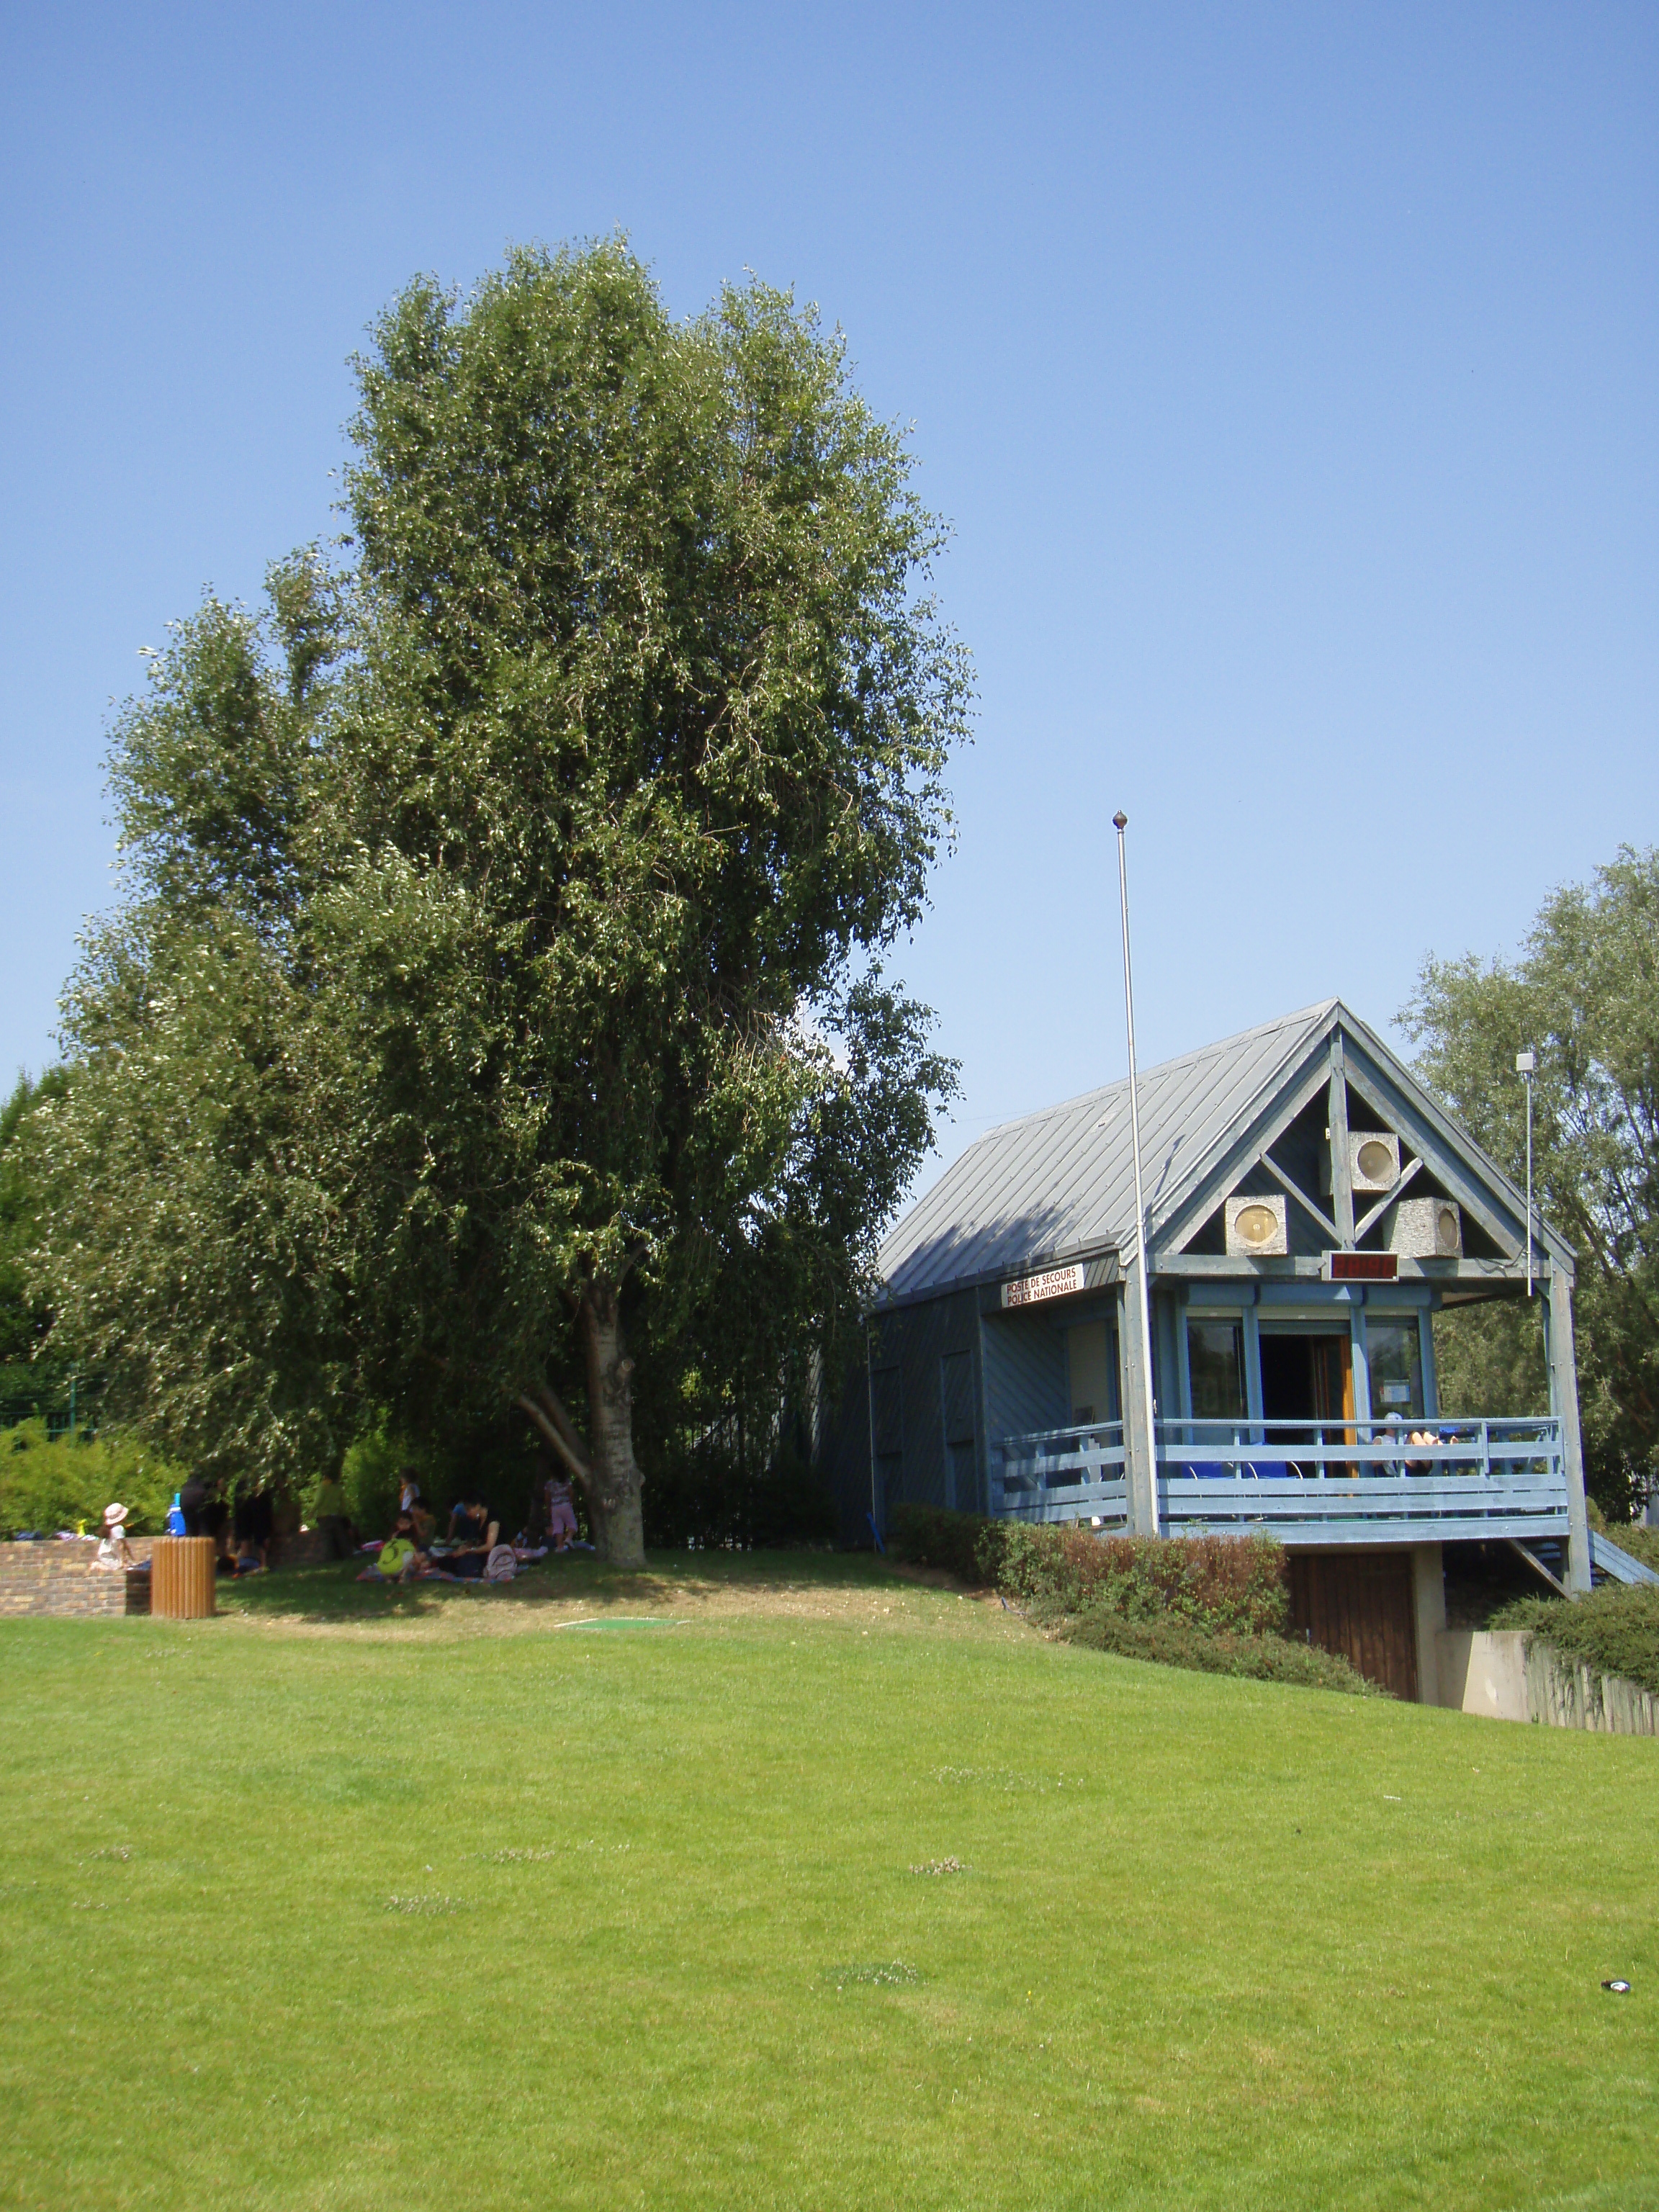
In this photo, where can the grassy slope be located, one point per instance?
(1221, 1943)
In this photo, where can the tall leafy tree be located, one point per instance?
(193, 1247)
(500, 983)
(643, 769)
(1585, 993)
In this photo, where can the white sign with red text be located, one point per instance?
(1032, 1290)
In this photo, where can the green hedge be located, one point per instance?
(1614, 1630)
(1235, 1585)
(1173, 1643)
(52, 1483)
(1219, 1583)
(969, 1546)
(1217, 1603)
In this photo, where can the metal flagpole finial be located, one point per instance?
(1120, 821)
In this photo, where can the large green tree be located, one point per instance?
(194, 1253)
(518, 913)
(1585, 994)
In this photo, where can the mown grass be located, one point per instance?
(360, 1899)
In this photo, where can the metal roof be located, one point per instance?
(1059, 1184)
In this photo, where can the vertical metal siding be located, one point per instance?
(1024, 1375)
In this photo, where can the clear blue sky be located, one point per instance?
(1287, 373)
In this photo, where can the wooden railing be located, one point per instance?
(1303, 1481)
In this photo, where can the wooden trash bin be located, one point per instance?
(181, 1578)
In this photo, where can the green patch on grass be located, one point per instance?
(425, 1905)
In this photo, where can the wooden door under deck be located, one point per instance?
(1359, 1604)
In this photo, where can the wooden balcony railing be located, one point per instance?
(1303, 1481)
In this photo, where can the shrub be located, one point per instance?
(1614, 1630)
(1236, 1584)
(970, 1545)
(1169, 1641)
(52, 1483)
(1642, 1543)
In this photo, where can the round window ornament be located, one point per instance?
(1257, 1227)
(1427, 1228)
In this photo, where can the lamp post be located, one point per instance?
(1525, 1064)
(1121, 823)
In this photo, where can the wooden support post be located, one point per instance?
(1564, 1404)
(1341, 1166)
(1360, 1335)
(1139, 1477)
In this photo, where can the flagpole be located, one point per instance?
(1121, 823)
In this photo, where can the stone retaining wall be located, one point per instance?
(1508, 1675)
(58, 1581)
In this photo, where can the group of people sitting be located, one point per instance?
(473, 1547)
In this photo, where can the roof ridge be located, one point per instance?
(1160, 1067)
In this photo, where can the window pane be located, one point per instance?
(1215, 1356)
(1396, 1358)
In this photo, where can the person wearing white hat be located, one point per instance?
(113, 1554)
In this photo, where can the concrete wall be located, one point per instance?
(1483, 1672)
(1493, 1672)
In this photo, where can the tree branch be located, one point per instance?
(554, 1406)
(578, 1468)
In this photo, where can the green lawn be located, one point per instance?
(657, 1939)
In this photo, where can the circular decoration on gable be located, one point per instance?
(1257, 1225)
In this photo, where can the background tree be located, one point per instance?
(498, 990)
(191, 1245)
(644, 761)
(33, 1370)
(1585, 993)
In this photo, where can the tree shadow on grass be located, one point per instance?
(333, 1592)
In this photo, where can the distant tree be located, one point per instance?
(497, 994)
(192, 1250)
(1585, 994)
(31, 1369)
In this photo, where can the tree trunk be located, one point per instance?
(613, 1498)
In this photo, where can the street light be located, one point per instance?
(1526, 1065)
(1121, 823)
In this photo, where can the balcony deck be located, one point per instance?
(1303, 1482)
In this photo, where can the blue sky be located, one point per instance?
(1287, 374)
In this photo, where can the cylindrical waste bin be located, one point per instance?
(181, 1578)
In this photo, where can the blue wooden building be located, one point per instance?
(1310, 1208)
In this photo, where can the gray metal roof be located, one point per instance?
(1061, 1183)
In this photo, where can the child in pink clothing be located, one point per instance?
(561, 1512)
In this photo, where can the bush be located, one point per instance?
(970, 1545)
(1614, 1630)
(1216, 1603)
(1642, 1543)
(52, 1483)
(1238, 1585)
(1171, 1642)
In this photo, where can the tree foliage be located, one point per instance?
(192, 1237)
(1585, 994)
(499, 1003)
